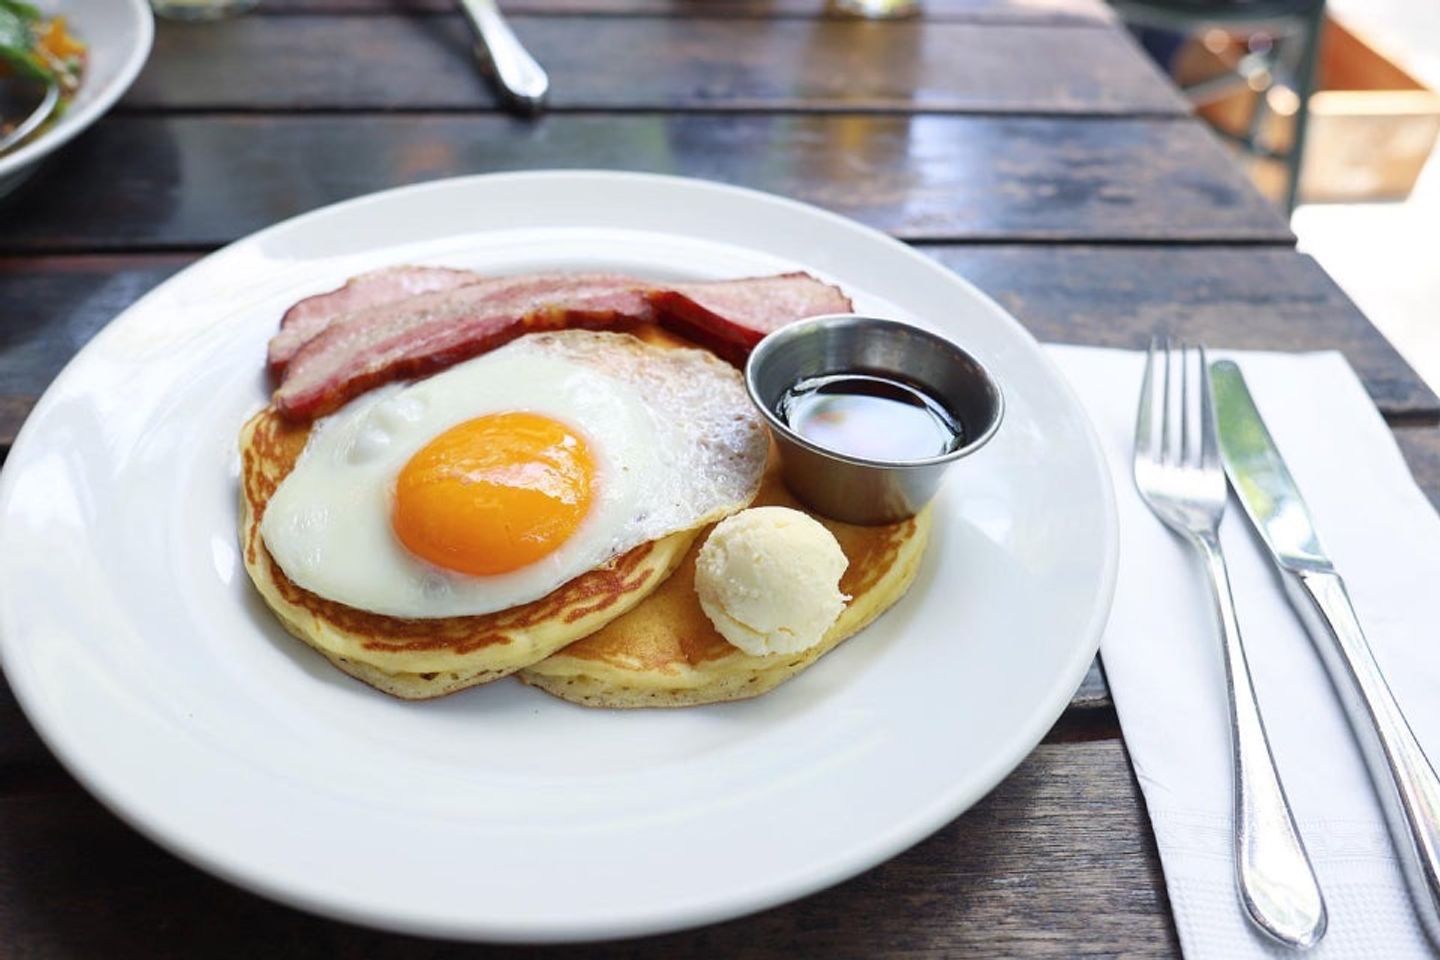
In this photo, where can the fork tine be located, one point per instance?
(1173, 417)
(1209, 442)
(1187, 390)
(1196, 398)
(1162, 456)
(1150, 417)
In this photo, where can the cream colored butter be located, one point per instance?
(769, 580)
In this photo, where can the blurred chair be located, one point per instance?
(1283, 51)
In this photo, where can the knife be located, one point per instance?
(1403, 778)
(522, 82)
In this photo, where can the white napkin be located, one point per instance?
(1162, 655)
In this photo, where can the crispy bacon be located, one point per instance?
(432, 331)
(731, 316)
(369, 332)
(308, 318)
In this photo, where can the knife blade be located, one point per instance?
(1402, 776)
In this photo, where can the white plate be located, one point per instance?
(118, 34)
(135, 644)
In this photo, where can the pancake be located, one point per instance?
(665, 653)
(422, 658)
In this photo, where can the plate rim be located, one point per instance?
(877, 848)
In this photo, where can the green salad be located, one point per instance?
(42, 48)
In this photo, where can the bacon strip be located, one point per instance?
(731, 316)
(432, 331)
(402, 336)
(308, 318)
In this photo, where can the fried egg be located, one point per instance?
(491, 484)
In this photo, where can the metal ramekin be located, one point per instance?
(855, 489)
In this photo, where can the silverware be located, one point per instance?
(1403, 777)
(523, 82)
(858, 489)
(40, 105)
(1178, 473)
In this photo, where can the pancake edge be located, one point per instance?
(441, 674)
(577, 680)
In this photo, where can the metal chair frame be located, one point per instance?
(1296, 27)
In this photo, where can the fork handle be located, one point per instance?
(1277, 883)
(1404, 779)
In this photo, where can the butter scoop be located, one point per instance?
(769, 580)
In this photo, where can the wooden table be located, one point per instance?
(1024, 143)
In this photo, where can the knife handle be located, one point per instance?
(522, 81)
(1403, 778)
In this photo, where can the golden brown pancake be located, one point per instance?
(646, 642)
(665, 653)
(421, 658)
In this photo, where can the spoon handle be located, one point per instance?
(32, 122)
(522, 81)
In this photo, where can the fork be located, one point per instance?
(1179, 475)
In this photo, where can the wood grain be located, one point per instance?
(200, 181)
(1075, 12)
(1094, 692)
(13, 411)
(728, 64)
(20, 746)
(1057, 862)
(1089, 716)
(53, 306)
(1240, 298)
(1421, 447)
(1110, 296)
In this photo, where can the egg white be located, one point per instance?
(675, 441)
(328, 523)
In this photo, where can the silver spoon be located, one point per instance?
(18, 96)
(523, 82)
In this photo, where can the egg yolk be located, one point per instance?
(493, 494)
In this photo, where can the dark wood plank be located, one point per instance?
(1089, 12)
(1057, 862)
(23, 754)
(13, 411)
(1421, 447)
(20, 746)
(287, 63)
(54, 305)
(1249, 298)
(1094, 692)
(199, 181)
